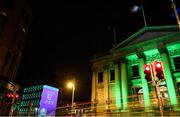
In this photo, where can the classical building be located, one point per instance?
(118, 79)
(15, 18)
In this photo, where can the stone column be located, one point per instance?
(93, 89)
(117, 87)
(141, 63)
(168, 75)
(145, 88)
(106, 85)
(169, 80)
(124, 86)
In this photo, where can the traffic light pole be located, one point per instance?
(159, 98)
(155, 80)
(157, 89)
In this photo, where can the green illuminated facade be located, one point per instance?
(118, 80)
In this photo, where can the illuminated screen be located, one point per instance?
(48, 101)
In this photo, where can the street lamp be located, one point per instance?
(72, 86)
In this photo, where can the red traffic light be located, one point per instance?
(147, 67)
(147, 71)
(159, 70)
(9, 95)
(158, 65)
(17, 96)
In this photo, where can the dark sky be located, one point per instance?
(65, 35)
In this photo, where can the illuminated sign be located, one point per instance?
(48, 100)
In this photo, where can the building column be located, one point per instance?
(93, 88)
(169, 80)
(106, 86)
(117, 87)
(124, 86)
(145, 88)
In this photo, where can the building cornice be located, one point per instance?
(125, 47)
(146, 29)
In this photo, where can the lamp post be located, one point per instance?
(72, 86)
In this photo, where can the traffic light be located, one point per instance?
(8, 98)
(147, 71)
(159, 70)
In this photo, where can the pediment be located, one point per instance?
(148, 33)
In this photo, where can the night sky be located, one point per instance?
(65, 36)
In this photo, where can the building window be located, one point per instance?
(12, 66)
(135, 71)
(100, 77)
(178, 87)
(2, 21)
(177, 62)
(7, 58)
(112, 75)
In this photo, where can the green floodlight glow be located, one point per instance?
(117, 94)
(144, 84)
(151, 52)
(146, 29)
(167, 73)
(117, 88)
(124, 86)
(173, 47)
(169, 80)
(132, 57)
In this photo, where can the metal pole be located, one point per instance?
(159, 99)
(157, 89)
(73, 89)
(144, 18)
(176, 14)
(114, 33)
